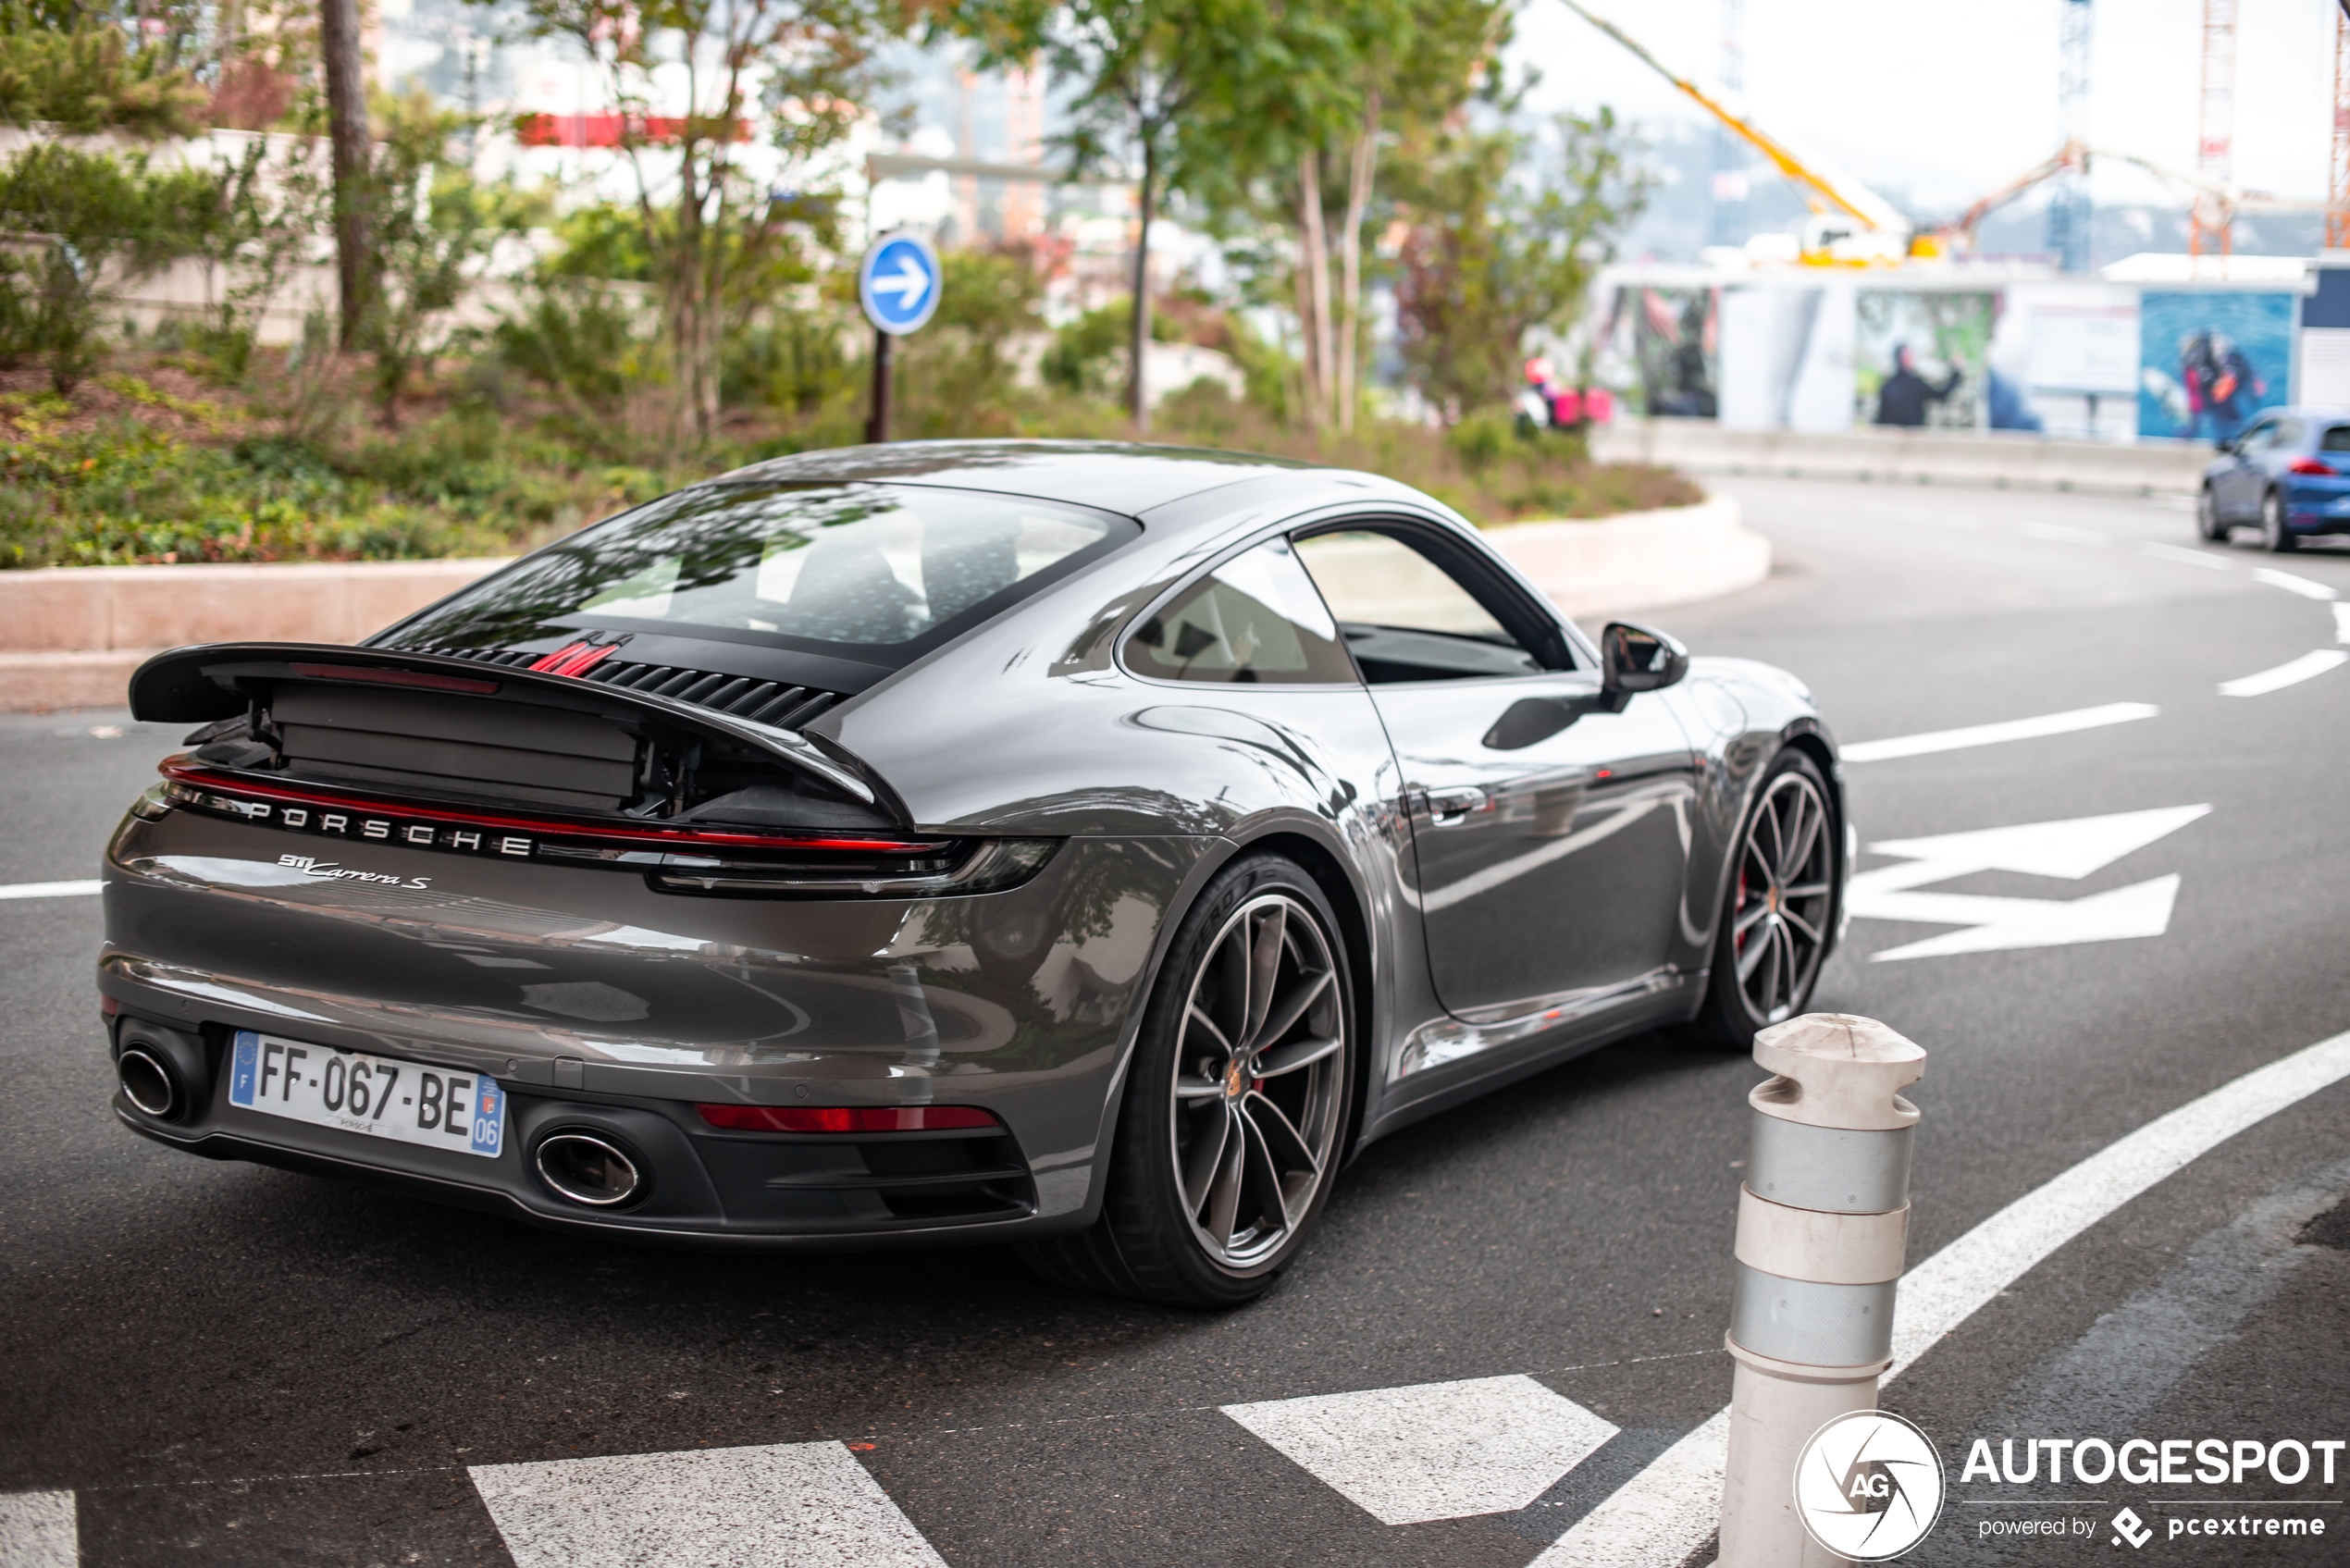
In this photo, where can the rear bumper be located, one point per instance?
(2320, 506)
(707, 1191)
(595, 999)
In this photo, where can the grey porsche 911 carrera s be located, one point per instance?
(1084, 846)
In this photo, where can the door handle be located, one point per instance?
(1450, 807)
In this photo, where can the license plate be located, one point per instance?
(380, 1096)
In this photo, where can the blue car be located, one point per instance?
(2288, 473)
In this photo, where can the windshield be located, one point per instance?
(877, 570)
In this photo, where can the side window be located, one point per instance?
(1405, 617)
(2336, 439)
(1254, 620)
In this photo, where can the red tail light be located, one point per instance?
(847, 1118)
(2309, 465)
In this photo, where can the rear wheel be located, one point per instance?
(2274, 533)
(2206, 517)
(1228, 1134)
(1778, 914)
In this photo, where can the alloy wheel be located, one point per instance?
(1779, 918)
(1259, 1074)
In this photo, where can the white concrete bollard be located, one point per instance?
(1823, 1220)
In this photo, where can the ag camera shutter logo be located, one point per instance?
(1868, 1486)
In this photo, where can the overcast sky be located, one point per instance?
(1950, 99)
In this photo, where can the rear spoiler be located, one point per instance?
(210, 682)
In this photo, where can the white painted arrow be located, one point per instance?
(909, 283)
(2073, 848)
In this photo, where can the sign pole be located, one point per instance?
(898, 286)
(877, 420)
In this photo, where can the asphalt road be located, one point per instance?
(220, 1363)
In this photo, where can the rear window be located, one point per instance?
(2336, 439)
(880, 572)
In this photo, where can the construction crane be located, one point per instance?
(2338, 166)
(2070, 213)
(1729, 155)
(2211, 222)
(1850, 222)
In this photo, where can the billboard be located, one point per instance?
(1786, 357)
(1920, 359)
(2209, 359)
(1677, 351)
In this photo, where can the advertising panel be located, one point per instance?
(1677, 351)
(2210, 360)
(1787, 358)
(1922, 358)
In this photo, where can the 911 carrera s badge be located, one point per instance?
(326, 870)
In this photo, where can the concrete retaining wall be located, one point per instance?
(71, 637)
(1997, 457)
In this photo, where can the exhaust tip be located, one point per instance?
(146, 1082)
(587, 1169)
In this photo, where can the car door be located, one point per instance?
(2239, 485)
(1551, 856)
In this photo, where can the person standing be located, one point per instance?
(1903, 399)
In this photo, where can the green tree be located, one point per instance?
(1139, 68)
(1504, 238)
(720, 240)
(75, 68)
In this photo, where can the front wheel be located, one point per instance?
(1235, 1104)
(2278, 539)
(2206, 517)
(1776, 915)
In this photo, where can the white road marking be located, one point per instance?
(2188, 557)
(2291, 673)
(789, 1505)
(37, 1530)
(2073, 848)
(49, 889)
(1433, 1450)
(2060, 534)
(2341, 622)
(2305, 586)
(1660, 1516)
(1992, 734)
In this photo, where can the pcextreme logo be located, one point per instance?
(1868, 1486)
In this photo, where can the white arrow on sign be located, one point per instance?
(2072, 850)
(909, 283)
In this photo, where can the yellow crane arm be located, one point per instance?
(1818, 187)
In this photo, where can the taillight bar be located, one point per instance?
(847, 1118)
(2310, 466)
(649, 835)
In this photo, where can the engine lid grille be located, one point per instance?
(762, 702)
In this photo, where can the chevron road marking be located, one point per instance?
(37, 1530)
(1662, 1515)
(1433, 1450)
(788, 1505)
(2072, 849)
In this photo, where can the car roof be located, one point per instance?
(1125, 476)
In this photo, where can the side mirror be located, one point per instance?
(1634, 659)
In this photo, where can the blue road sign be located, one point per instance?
(898, 284)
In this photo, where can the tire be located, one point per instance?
(2206, 517)
(1781, 895)
(2275, 537)
(1221, 1167)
